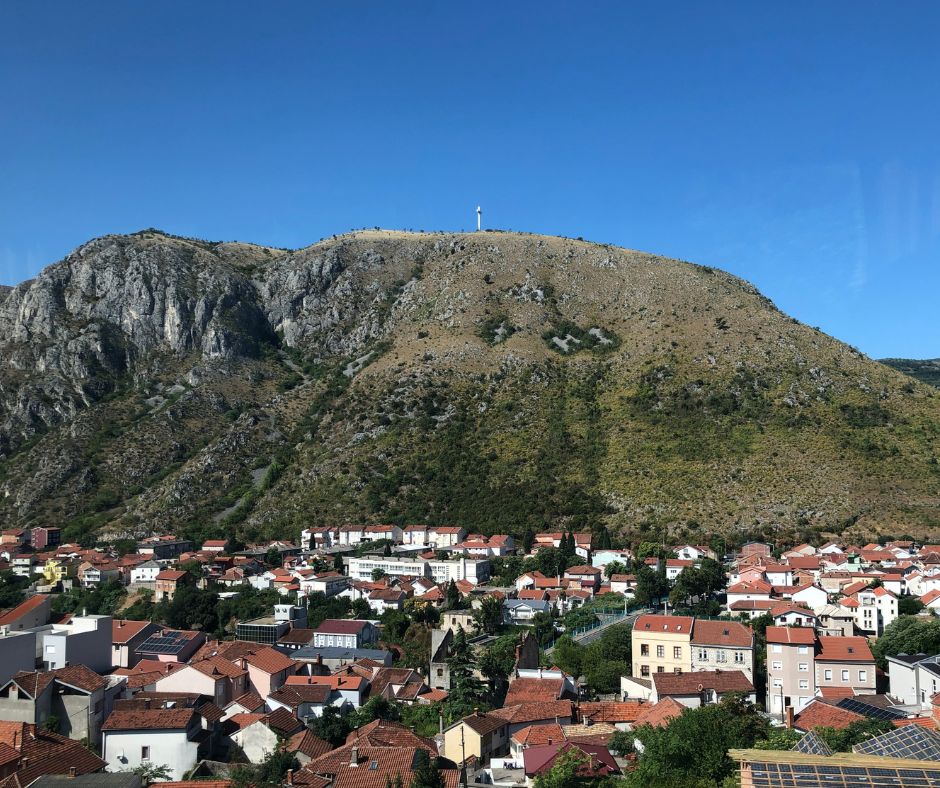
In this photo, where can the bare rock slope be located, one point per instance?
(499, 380)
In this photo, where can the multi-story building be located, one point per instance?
(42, 538)
(791, 676)
(722, 645)
(661, 644)
(474, 571)
(846, 663)
(877, 608)
(341, 632)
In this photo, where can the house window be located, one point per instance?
(660, 651)
(776, 648)
(739, 657)
(778, 682)
(845, 675)
(828, 675)
(804, 649)
(703, 654)
(804, 684)
(145, 753)
(644, 670)
(660, 669)
(644, 650)
(778, 666)
(804, 667)
(677, 652)
(721, 657)
(440, 671)
(863, 675)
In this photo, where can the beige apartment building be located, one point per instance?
(662, 644)
(791, 676)
(845, 662)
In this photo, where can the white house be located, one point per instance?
(442, 536)
(812, 596)
(352, 534)
(344, 633)
(146, 572)
(415, 535)
(914, 678)
(518, 611)
(151, 737)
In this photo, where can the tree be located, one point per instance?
(568, 655)
(543, 628)
(779, 739)
(377, 574)
(622, 743)
(273, 557)
(190, 608)
(152, 772)
(12, 588)
(488, 617)
(909, 605)
(650, 585)
(695, 745)
(466, 690)
(496, 662)
(338, 565)
(387, 550)
(528, 539)
(453, 599)
(332, 726)
(425, 771)
(570, 770)
(614, 568)
(855, 733)
(395, 624)
(377, 708)
(360, 608)
(908, 635)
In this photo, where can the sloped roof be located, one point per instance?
(148, 719)
(731, 634)
(269, 660)
(819, 714)
(658, 714)
(690, 683)
(844, 649)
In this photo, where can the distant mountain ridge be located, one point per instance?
(503, 381)
(927, 370)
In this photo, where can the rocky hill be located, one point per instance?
(498, 380)
(927, 371)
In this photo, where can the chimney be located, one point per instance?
(71, 772)
(354, 756)
(290, 776)
(789, 716)
(24, 762)
(440, 722)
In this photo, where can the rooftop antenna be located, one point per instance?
(479, 216)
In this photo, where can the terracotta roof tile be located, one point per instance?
(819, 714)
(658, 714)
(844, 649)
(151, 719)
(730, 634)
(673, 624)
(270, 660)
(690, 683)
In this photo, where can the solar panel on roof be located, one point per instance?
(911, 741)
(867, 710)
(812, 744)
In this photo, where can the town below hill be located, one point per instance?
(381, 656)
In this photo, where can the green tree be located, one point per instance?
(622, 743)
(152, 772)
(909, 605)
(12, 588)
(377, 574)
(426, 772)
(779, 739)
(528, 539)
(488, 617)
(614, 568)
(273, 557)
(387, 550)
(694, 745)
(543, 628)
(497, 661)
(332, 726)
(377, 708)
(395, 624)
(360, 609)
(453, 600)
(570, 770)
(855, 733)
(466, 690)
(568, 655)
(908, 635)
(190, 608)
(338, 565)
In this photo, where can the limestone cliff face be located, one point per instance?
(150, 381)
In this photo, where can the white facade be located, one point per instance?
(474, 571)
(146, 572)
(812, 596)
(84, 640)
(126, 750)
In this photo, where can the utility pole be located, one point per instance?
(479, 217)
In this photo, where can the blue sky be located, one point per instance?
(794, 144)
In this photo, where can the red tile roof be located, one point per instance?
(525, 690)
(731, 634)
(22, 609)
(534, 735)
(612, 711)
(803, 636)
(669, 624)
(148, 719)
(691, 683)
(123, 630)
(844, 649)
(171, 574)
(819, 714)
(658, 714)
(535, 711)
(270, 660)
(337, 626)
